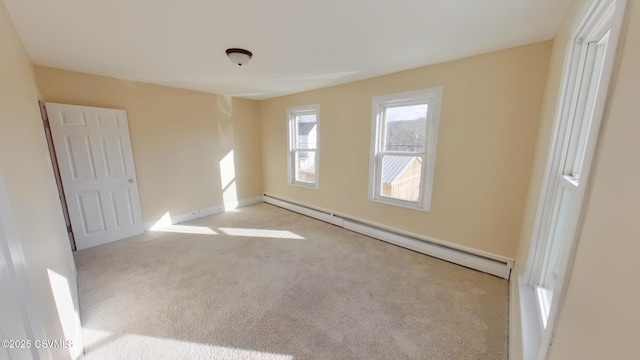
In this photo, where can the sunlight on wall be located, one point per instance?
(106, 345)
(69, 318)
(228, 180)
(163, 222)
(276, 234)
(225, 104)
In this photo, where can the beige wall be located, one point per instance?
(26, 169)
(488, 128)
(598, 318)
(179, 139)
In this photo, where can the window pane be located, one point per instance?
(405, 128)
(306, 128)
(584, 109)
(305, 162)
(553, 252)
(400, 177)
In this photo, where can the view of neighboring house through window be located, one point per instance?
(303, 145)
(403, 147)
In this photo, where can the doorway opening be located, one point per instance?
(94, 168)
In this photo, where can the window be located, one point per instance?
(403, 148)
(575, 141)
(302, 125)
(586, 79)
(567, 188)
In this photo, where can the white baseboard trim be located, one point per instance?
(196, 214)
(472, 258)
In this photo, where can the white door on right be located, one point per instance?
(94, 153)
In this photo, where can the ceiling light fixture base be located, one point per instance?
(239, 56)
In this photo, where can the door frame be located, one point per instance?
(137, 226)
(12, 256)
(56, 172)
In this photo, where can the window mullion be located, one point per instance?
(382, 130)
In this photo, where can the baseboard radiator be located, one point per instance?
(471, 258)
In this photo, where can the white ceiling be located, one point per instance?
(297, 44)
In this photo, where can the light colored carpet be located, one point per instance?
(303, 290)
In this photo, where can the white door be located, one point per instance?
(94, 154)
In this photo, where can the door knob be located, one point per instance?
(130, 181)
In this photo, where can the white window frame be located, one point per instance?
(603, 15)
(292, 148)
(433, 98)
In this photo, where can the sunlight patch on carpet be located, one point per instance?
(188, 229)
(160, 348)
(276, 234)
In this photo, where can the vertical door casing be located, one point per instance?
(95, 157)
(19, 318)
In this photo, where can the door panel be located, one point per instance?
(121, 200)
(80, 157)
(91, 212)
(98, 173)
(112, 149)
(108, 121)
(73, 118)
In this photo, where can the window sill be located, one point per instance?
(304, 185)
(531, 333)
(400, 203)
